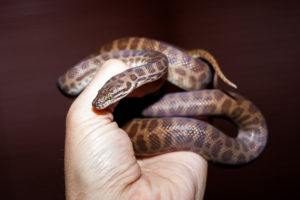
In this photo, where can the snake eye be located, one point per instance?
(109, 97)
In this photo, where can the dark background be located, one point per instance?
(257, 44)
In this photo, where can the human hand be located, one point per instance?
(100, 162)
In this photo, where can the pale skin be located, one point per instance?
(100, 162)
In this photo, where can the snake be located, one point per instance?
(170, 124)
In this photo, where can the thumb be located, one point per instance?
(83, 104)
(97, 152)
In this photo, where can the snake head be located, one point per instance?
(111, 93)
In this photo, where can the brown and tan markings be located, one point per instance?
(168, 129)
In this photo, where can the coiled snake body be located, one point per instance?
(169, 129)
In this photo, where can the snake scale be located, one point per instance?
(169, 125)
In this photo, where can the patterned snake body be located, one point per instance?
(216, 146)
(152, 60)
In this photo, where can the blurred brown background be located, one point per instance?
(256, 43)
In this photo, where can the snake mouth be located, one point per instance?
(103, 102)
(99, 105)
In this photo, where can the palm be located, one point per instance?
(99, 156)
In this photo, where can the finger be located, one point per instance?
(83, 103)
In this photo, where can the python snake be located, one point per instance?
(170, 126)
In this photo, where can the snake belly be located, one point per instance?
(170, 130)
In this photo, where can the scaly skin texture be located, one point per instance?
(183, 70)
(168, 134)
(152, 60)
